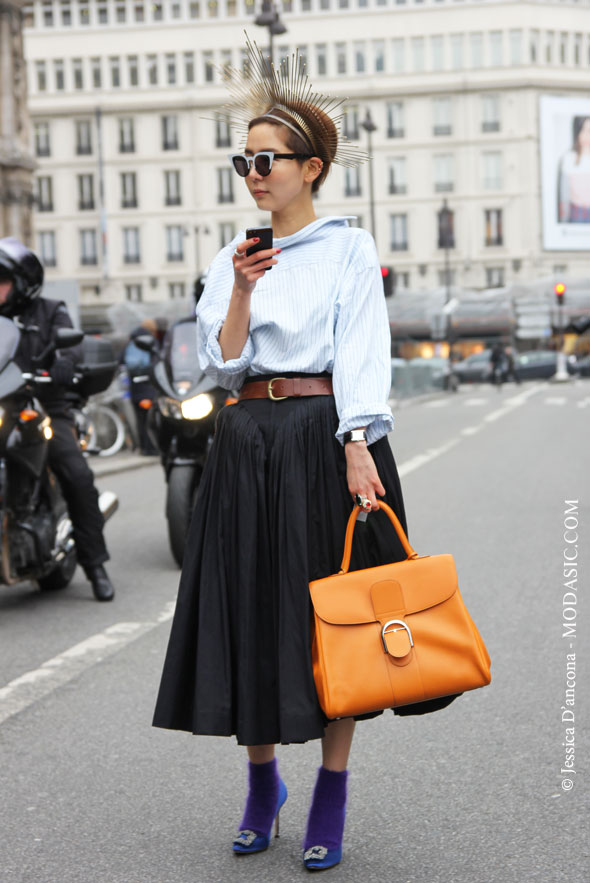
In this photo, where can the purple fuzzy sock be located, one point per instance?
(325, 824)
(263, 794)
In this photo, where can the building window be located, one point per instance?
(227, 231)
(400, 280)
(139, 12)
(115, 68)
(171, 69)
(493, 227)
(133, 70)
(152, 70)
(48, 15)
(578, 49)
(438, 57)
(47, 250)
(194, 9)
(85, 192)
(441, 111)
(515, 38)
(172, 188)
(44, 194)
(128, 190)
(418, 61)
(41, 71)
(213, 8)
(225, 192)
(121, 13)
(208, 69)
(492, 170)
(176, 10)
(399, 59)
(88, 253)
(457, 52)
(534, 46)
(476, 44)
(66, 14)
(444, 173)
(42, 141)
(302, 52)
(395, 119)
(350, 123)
(96, 70)
(176, 290)
(222, 131)
(352, 182)
(131, 246)
(170, 132)
(58, 70)
(102, 14)
(157, 12)
(494, 277)
(379, 56)
(341, 58)
(321, 59)
(175, 243)
(133, 293)
(397, 175)
(189, 67)
(496, 49)
(83, 137)
(360, 57)
(490, 112)
(399, 232)
(78, 73)
(563, 44)
(126, 135)
(84, 13)
(549, 40)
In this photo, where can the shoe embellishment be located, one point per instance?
(246, 838)
(316, 853)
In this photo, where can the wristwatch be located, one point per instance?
(355, 435)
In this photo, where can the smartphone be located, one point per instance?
(265, 236)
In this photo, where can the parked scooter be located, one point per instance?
(36, 541)
(182, 423)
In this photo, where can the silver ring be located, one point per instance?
(238, 254)
(362, 502)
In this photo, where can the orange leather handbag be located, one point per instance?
(393, 635)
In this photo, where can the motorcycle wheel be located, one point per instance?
(61, 575)
(106, 430)
(183, 482)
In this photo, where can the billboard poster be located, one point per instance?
(564, 135)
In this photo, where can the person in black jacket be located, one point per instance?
(21, 280)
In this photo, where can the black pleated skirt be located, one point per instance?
(270, 516)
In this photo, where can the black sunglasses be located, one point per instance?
(262, 161)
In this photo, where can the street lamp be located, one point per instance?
(446, 240)
(369, 126)
(270, 18)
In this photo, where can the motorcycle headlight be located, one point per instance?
(169, 408)
(1, 415)
(197, 407)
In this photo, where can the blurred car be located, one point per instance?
(476, 368)
(541, 364)
(583, 366)
(436, 370)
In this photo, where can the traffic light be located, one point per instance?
(559, 289)
(388, 276)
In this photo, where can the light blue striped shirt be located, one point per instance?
(321, 308)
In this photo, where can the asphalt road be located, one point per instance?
(473, 794)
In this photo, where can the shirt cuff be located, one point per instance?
(377, 418)
(215, 356)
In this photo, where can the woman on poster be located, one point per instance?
(574, 176)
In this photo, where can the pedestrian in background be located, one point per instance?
(138, 364)
(287, 462)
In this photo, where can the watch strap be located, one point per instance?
(355, 435)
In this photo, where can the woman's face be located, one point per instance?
(584, 136)
(287, 178)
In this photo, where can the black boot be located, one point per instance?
(101, 584)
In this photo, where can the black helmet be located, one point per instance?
(24, 269)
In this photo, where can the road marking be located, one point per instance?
(470, 430)
(437, 403)
(556, 400)
(34, 685)
(421, 459)
(476, 401)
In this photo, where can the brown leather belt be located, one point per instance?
(287, 387)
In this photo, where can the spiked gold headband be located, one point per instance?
(261, 90)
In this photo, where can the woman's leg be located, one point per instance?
(260, 753)
(266, 794)
(336, 744)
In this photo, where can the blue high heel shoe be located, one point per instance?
(318, 858)
(248, 842)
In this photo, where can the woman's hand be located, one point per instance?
(248, 270)
(361, 473)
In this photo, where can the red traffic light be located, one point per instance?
(559, 289)
(385, 272)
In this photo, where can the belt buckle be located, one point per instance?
(271, 396)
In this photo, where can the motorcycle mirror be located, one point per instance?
(145, 342)
(66, 337)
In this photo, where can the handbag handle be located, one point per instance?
(350, 531)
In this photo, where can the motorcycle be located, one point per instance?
(182, 422)
(36, 540)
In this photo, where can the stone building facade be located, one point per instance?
(16, 161)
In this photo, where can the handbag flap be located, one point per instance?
(401, 588)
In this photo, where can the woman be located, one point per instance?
(287, 464)
(574, 176)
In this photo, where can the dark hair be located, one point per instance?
(300, 143)
(577, 125)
